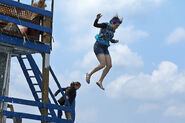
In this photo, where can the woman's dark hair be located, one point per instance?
(75, 83)
(116, 19)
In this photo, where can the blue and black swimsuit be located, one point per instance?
(105, 36)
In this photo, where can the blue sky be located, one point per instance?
(147, 81)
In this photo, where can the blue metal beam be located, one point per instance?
(24, 23)
(33, 103)
(34, 117)
(27, 7)
(40, 47)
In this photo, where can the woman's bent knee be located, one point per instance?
(102, 65)
(109, 66)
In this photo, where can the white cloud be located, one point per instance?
(117, 86)
(176, 36)
(129, 34)
(176, 111)
(75, 75)
(164, 81)
(83, 41)
(147, 107)
(83, 8)
(88, 60)
(121, 56)
(139, 87)
(179, 85)
(83, 11)
(165, 69)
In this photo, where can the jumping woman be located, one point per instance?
(101, 45)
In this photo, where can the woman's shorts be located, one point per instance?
(100, 49)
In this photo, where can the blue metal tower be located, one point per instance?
(14, 43)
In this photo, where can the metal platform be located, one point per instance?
(13, 42)
(16, 46)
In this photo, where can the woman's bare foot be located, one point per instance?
(88, 78)
(100, 85)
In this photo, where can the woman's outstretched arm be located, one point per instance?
(99, 25)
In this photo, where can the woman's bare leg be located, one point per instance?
(102, 60)
(106, 69)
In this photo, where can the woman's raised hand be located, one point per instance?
(98, 16)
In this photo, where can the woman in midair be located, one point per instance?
(101, 45)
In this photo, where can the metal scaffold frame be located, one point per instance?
(19, 46)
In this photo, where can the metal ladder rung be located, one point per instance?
(38, 91)
(24, 57)
(32, 76)
(35, 84)
(29, 69)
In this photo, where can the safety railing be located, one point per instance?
(27, 16)
(33, 116)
